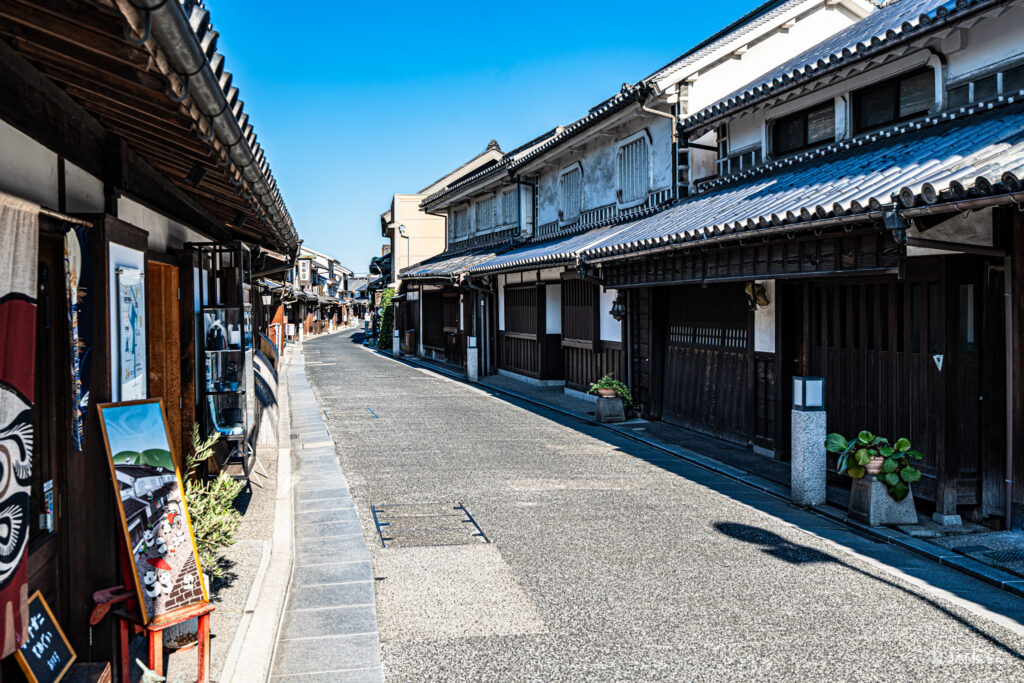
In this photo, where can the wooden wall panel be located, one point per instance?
(164, 345)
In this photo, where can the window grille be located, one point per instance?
(485, 214)
(804, 129)
(460, 223)
(894, 100)
(509, 208)
(708, 336)
(633, 163)
(570, 194)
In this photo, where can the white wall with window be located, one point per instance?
(597, 155)
(633, 169)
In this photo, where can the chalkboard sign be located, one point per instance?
(46, 655)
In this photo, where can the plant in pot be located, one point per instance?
(215, 521)
(868, 454)
(609, 387)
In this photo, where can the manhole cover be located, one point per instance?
(1006, 555)
(410, 525)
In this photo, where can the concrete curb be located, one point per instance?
(250, 657)
(1011, 583)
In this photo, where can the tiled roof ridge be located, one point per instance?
(841, 146)
(751, 93)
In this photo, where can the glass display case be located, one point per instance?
(225, 337)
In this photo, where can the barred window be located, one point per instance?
(460, 223)
(509, 207)
(807, 128)
(894, 100)
(485, 214)
(570, 194)
(634, 170)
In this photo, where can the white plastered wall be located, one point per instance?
(764, 321)
(611, 329)
(164, 233)
(553, 308)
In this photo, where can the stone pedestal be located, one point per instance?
(807, 467)
(396, 344)
(871, 503)
(609, 410)
(472, 360)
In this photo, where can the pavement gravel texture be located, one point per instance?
(613, 561)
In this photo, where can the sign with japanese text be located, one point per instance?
(46, 656)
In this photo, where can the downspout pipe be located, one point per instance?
(177, 36)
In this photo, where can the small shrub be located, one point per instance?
(897, 473)
(609, 382)
(210, 505)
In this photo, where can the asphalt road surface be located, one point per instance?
(610, 561)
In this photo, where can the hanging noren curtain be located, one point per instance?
(19, 233)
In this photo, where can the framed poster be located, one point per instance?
(47, 655)
(150, 498)
(131, 333)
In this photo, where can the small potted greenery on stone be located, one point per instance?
(608, 387)
(870, 454)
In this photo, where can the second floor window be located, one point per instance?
(570, 193)
(895, 100)
(485, 214)
(804, 129)
(633, 167)
(509, 207)
(460, 223)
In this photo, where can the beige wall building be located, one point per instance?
(415, 235)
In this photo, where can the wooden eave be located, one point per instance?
(80, 46)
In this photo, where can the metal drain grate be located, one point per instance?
(418, 525)
(1006, 555)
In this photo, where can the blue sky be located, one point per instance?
(355, 102)
(136, 428)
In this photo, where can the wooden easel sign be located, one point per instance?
(150, 498)
(47, 655)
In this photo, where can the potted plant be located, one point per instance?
(609, 387)
(613, 401)
(215, 521)
(872, 462)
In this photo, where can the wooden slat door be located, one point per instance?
(707, 371)
(164, 321)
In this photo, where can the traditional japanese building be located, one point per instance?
(870, 242)
(134, 200)
(508, 289)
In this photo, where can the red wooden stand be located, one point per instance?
(154, 630)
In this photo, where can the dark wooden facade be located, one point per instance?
(524, 346)
(907, 346)
(587, 356)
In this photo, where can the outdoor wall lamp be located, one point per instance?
(266, 299)
(619, 306)
(757, 295)
(809, 393)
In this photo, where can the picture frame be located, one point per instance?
(154, 517)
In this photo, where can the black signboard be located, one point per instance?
(46, 655)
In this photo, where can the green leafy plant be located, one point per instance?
(609, 382)
(210, 502)
(897, 472)
(387, 320)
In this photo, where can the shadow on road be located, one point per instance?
(772, 544)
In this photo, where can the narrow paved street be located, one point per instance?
(611, 561)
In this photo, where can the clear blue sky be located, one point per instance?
(355, 102)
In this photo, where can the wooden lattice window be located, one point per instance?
(521, 310)
(633, 167)
(570, 193)
(579, 305)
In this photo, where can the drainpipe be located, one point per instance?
(1008, 333)
(175, 36)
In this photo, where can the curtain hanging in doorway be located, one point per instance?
(19, 233)
(78, 281)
